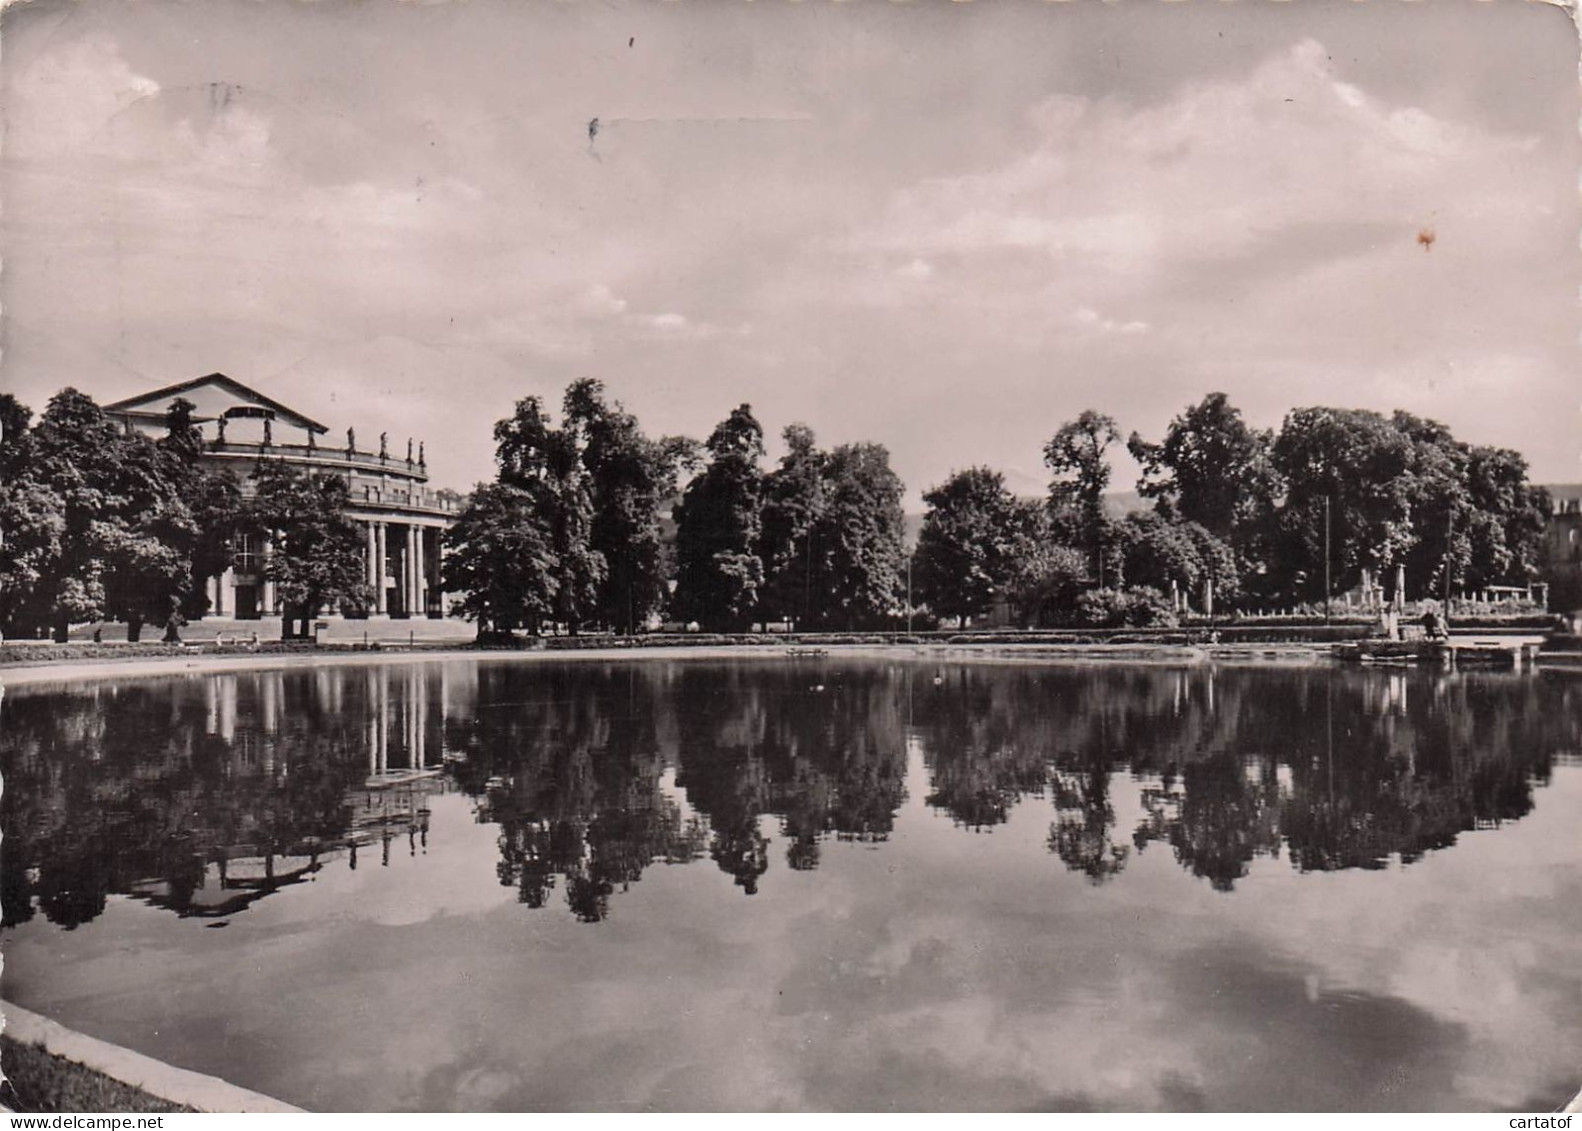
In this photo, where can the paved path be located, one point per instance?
(339, 631)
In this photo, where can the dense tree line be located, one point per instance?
(590, 523)
(98, 522)
(1238, 516)
(573, 531)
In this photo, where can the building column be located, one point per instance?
(267, 597)
(371, 569)
(404, 568)
(421, 572)
(217, 597)
(410, 570)
(381, 594)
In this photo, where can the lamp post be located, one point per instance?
(909, 594)
(1326, 559)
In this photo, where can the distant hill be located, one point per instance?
(1127, 502)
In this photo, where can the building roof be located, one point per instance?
(157, 401)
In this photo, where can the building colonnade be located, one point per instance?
(401, 567)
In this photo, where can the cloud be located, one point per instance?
(1253, 232)
(71, 99)
(1087, 316)
(598, 300)
(878, 241)
(1119, 190)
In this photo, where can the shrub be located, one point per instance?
(1136, 607)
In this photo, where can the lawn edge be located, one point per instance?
(158, 1079)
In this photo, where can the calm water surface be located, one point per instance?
(814, 883)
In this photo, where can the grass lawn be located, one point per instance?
(37, 1080)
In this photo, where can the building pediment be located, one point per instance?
(214, 397)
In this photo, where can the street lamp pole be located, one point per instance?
(909, 594)
(1326, 559)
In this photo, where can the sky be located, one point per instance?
(946, 227)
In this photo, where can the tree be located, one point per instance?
(1210, 469)
(1049, 578)
(858, 540)
(546, 463)
(793, 502)
(182, 437)
(74, 471)
(31, 521)
(1077, 458)
(500, 558)
(15, 417)
(151, 556)
(974, 537)
(1443, 517)
(1362, 464)
(629, 478)
(213, 501)
(218, 510)
(718, 571)
(317, 554)
(1509, 517)
(1158, 551)
(94, 519)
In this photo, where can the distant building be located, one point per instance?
(1562, 562)
(402, 518)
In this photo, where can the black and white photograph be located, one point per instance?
(907, 556)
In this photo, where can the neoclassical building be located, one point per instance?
(390, 497)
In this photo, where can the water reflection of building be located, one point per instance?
(203, 796)
(387, 808)
(402, 519)
(222, 879)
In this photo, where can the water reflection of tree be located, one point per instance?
(822, 748)
(1080, 833)
(568, 762)
(571, 762)
(137, 789)
(1337, 768)
(596, 772)
(1221, 818)
(1395, 767)
(987, 741)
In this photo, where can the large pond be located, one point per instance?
(809, 883)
